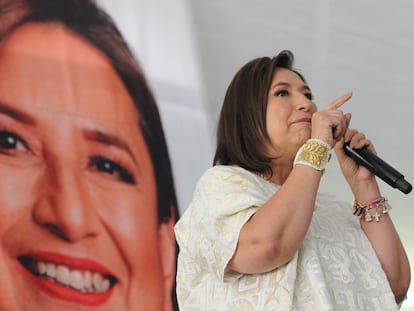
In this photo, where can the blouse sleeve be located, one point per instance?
(224, 200)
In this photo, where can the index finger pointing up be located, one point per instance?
(338, 102)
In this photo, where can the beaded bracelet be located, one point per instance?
(370, 210)
(314, 153)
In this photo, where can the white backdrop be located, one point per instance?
(191, 49)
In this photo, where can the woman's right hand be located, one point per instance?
(330, 123)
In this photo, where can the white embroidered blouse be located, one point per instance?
(334, 269)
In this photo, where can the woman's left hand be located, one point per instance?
(382, 235)
(355, 174)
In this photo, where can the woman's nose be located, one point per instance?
(65, 205)
(305, 104)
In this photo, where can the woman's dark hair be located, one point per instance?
(87, 20)
(241, 131)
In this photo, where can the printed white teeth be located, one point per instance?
(85, 281)
(100, 283)
(97, 281)
(41, 267)
(105, 285)
(76, 280)
(51, 270)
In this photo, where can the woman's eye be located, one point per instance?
(114, 170)
(309, 96)
(282, 93)
(10, 141)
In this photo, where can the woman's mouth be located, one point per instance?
(66, 282)
(303, 120)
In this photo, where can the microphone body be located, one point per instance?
(379, 168)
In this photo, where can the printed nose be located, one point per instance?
(65, 206)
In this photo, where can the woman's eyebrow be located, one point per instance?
(108, 139)
(305, 87)
(285, 84)
(16, 114)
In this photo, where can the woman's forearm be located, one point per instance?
(391, 254)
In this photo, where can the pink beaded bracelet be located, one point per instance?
(370, 210)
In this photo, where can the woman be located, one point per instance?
(258, 235)
(86, 192)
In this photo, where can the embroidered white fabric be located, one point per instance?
(335, 268)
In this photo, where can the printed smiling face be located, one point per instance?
(78, 200)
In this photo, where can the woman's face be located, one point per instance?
(78, 202)
(289, 113)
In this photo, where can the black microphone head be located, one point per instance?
(403, 185)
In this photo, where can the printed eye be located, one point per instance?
(10, 142)
(112, 169)
(282, 93)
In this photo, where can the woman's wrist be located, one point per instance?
(314, 153)
(372, 210)
(366, 190)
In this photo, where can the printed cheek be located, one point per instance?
(131, 222)
(129, 209)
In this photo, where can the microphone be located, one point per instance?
(378, 167)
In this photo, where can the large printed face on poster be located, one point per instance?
(80, 226)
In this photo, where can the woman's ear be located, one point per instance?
(168, 253)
